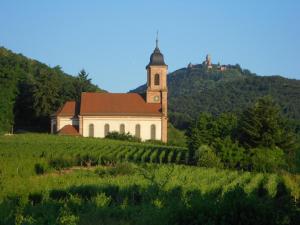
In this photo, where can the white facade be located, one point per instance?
(129, 124)
(63, 121)
(146, 124)
(59, 122)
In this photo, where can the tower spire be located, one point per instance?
(157, 39)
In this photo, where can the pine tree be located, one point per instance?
(263, 126)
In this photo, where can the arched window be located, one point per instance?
(156, 79)
(91, 130)
(138, 131)
(153, 132)
(122, 129)
(106, 129)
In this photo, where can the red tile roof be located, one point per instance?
(93, 103)
(69, 130)
(68, 109)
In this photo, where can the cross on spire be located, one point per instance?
(157, 39)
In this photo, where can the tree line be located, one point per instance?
(31, 91)
(257, 139)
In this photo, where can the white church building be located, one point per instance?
(142, 115)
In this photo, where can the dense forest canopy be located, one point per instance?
(198, 89)
(31, 91)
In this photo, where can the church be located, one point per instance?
(142, 115)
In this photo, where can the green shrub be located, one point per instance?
(231, 154)
(267, 160)
(59, 194)
(102, 200)
(206, 157)
(35, 198)
(40, 168)
(124, 137)
(66, 217)
(118, 169)
(60, 163)
(155, 142)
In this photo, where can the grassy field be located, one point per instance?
(47, 179)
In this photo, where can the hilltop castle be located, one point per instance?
(97, 114)
(208, 64)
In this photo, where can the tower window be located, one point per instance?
(122, 129)
(153, 132)
(106, 129)
(138, 130)
(91, 130)
(156, 79)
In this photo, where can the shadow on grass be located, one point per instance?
(149, 205)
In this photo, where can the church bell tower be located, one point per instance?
(157, 91)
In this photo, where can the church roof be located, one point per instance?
(111, 104)
(156, 58)
(69, 130)
(68, 109)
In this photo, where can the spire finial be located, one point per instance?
(157, 39)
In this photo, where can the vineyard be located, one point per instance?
(48, 179)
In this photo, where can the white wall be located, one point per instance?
(63, 121)
(129, 122)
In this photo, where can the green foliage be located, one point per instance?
(141, 193)
(83, 84)
(231, 153)
(66, 217)
(197, 89)
(176, 137)
(40, 168)
(206, 157)
(119, 169)
(268, 160)
(262, 125)
(32, 90)
(207, 129)
(124, 137)
(256, 136)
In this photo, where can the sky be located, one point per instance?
(113, 40)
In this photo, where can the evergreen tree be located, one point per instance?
(82, 84)
(263, 126)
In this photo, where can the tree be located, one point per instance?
(82, 84)
(262, 126)
(207, 129)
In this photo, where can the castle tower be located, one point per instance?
(157, 91)
(208, 61)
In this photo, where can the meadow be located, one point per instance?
(47, 179)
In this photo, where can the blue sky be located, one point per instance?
(112, 40)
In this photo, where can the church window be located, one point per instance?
(106, 129)
(122, 129)
(91, 130)
(156, 79)
(153, 132)
(138, 130)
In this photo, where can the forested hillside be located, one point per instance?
(198, 89)
(31, 91)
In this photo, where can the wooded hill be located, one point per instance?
(199, 89)
(31, 91)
